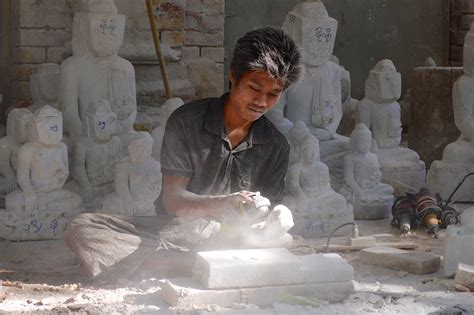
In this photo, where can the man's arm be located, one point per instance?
(182, 203)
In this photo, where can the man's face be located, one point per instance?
(254, 94)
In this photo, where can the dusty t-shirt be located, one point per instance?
(195, 146)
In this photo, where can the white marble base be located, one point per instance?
(373, 210)
(322, 224)
(458, 248)
(35, 226)
(443, 178)
(412, 175)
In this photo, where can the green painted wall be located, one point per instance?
(406, 31)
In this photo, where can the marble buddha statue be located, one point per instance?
(95, 72)
(42, 168)
(137, 181)
(96, 153)
(380, 112)
(316, 100)
(370, 198)
(458, 157)
(19, 122)
(317, 208)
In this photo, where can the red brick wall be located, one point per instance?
(462, 15)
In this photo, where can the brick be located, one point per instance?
(172, 38)
(186, 294)
(457, 37)
(213, 22)
(456, 53)
(193, 38)
(172, 23)
(213, 53)
(192, 21)
(58, 54)
(462, 6)
(22, 72)
(206, 6)
(393, 258)
(190, 52)
(42, 37)
(465, 275)
(466, 21)
(46, 19)
(29, 55)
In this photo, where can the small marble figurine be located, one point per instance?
(137, 181)
(380, 112)
(362, 188)
(96, 153)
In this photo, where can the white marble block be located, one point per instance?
(266, 267)
(317, 208)
(95, 72)
(137, 181)
(42, 170)
(316, 100)
(362, 188)
(380, 112)
(458, 243)
(458, 157)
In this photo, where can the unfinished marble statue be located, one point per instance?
(44, 86)
(95, 154)
(458, 157)
(458, 244)
(18, 125)
(157, 134)
(317, 208)
(380, 112)
(95, 72)
(316, 100)
(41, 208)
(137, 181)
(370, 198)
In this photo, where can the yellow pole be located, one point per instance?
(156, 41)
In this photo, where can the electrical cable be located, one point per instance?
(334, 231)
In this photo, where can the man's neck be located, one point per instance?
(237, 129)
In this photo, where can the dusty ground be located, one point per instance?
(44, 277)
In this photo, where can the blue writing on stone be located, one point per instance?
(323, 35)
(108, 26)
(34, 226)
(53, 226)
(101, 124)
(53, 128)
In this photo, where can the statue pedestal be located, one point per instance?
(373, 209)
(408, 173)
(457, 248)
(322, 223)
(35, 226)
(443, 178)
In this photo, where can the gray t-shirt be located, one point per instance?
(195, 146)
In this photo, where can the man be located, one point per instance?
(215, 152)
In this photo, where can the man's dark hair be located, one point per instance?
(268, 49)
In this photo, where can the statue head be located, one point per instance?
(309, 151)
(100, 122)
(361, 139)
(168, 108)
(141, 147)
(384, 83)
(44, 84)
(295, 134)
(19, 123)
(105, 33)
(468, 61)
(47, 126)
(313, 31)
